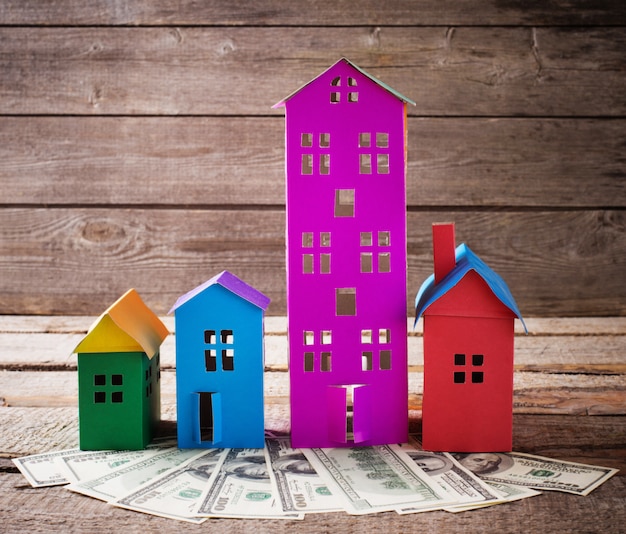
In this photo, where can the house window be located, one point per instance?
(335, 96)
(384, 335)
(325, 263)
(382, 257)
(378, 154)
(345, 299)
(327, 337)
(306, 140)
(324, 163)
(366, 337)
(365, 164)
(307, 263)
(366, 360)
(316, 261)
(307, 164)
(219, 342)
(309, 337)
(314, 341)
(385, 360)
(309, 362)
(352, 93)
(101, 381)
(366, 262)
(344, 203)
(326, 361)
(384, 239)
(210, 360)
(382, 140)
(461, 361)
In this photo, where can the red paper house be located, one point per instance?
(469, 316)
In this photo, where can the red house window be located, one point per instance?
(462, 368)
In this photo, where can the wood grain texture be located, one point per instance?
(200, 161)
(574, 327)
(325, 13)
(466, 71)
(556, 263)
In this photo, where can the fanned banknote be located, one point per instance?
(175, 493)
(118, 482)
(375, 479)
(299, 487)
(242, 489)
(460, 484)
(45, 469)
(536, 472)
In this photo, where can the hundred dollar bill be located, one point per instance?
(86, 465)
(175, 493)
(375, 479)
(45, 469)
(460, 484)
(536, 471)
(113, 484)
(508, 493)
(242, 489)
(298, 486)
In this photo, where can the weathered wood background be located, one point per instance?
(138, 147)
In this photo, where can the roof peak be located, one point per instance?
(345, 60)
(231, 282)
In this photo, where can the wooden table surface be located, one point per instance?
(569, 404)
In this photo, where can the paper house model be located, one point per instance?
(346, 260)
(220, 364)
(119, 388)
(469, 316)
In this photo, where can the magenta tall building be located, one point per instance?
(346, 260)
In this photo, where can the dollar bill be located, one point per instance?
(508, 493)
(86, 465)
(113, 484)
(536, 471)
(243, 489)
(175, 493)
(375, 479)
(458, 483)
(45, 469)
(299, 488)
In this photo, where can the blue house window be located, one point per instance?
(220, 342)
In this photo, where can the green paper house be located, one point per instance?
(119, 388)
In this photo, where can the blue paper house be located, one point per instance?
(219, 364)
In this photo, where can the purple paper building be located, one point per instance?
(346, 260)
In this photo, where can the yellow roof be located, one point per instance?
(128, 325)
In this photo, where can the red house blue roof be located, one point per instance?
(233, 284)
(466, 261)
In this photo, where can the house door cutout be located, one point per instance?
(207, 419)
(349, 409)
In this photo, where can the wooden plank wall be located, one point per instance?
(138, 147)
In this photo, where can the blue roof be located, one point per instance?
(233, 284)
(466, 261)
